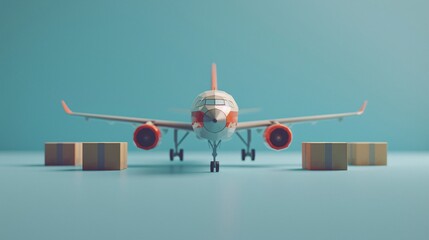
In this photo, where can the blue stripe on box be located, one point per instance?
(328, 156)
(60, 153)
(100, 156)
(371, 154)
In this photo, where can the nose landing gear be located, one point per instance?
(214, 165)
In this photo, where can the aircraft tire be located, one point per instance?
(181, 154)
(211, 166)
(171, 154)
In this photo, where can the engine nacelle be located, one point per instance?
(147, 136)
(278, 136)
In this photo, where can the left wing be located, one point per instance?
(159, 123)
(266, 123)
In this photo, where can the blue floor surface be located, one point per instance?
(271, 198)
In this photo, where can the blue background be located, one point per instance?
(145, 58)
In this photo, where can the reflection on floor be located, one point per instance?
(270, 198)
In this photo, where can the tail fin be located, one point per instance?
(214, 77)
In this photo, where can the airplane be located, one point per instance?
(215, 119)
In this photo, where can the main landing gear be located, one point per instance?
(214, 165)
(247, 152)
(174, 152)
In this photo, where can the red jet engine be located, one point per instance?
(147, 136)
(278, 136)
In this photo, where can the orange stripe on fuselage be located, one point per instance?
(232, 119)
(198, 119)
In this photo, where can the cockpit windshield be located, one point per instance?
(215, 102)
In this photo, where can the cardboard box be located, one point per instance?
(324, 156)
(105, 156)
(60, 154)
(367, 153)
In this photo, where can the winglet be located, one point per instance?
(214, 77)
(66, 108)
(362, 108)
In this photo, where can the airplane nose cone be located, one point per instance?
(214, 120)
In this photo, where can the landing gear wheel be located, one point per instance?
(243, 154)
(181, 154)
(252, 154)
(212, 166)
(171, 154)
(174, 152)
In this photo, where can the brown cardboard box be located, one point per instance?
(105, 156)
(57, 154)
(324, 156)
(367, 153)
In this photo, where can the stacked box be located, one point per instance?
(59, 154)
(367, 153)
(105, 156)
(324, 156)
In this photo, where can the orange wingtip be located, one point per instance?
(362, 108)
(214, 77)
(66, 108)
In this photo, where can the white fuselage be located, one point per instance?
(214, 115)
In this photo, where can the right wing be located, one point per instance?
(266, 123)
(159, 123)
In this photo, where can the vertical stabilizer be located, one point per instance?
(214, 77)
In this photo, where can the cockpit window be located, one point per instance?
(215, 102)
(200, 103)
(219, 102)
